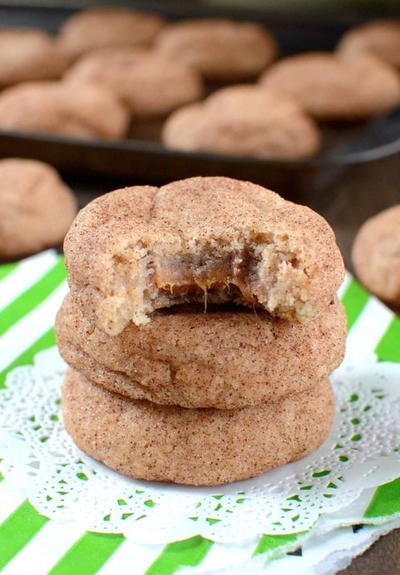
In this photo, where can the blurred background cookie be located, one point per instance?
(244, 121)
(108, 26)
(193, 446)
(337, 86)
(381, 38)
(27, 54)
(376, 255)
(36, 207)
(82, 111)
(219, 49)
(150, 84)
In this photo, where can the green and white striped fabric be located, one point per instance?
(31, 291)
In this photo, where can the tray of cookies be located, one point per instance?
(154, 96)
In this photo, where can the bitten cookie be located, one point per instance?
(29, 55)
(105, 26)
(148, 83)
(36, 207)
(202, 239)
(244, 121)
(224, 359)
(381, 38)
(189, 446)
(376, 255)
(219, 49)
(337, 86)
(83, 111)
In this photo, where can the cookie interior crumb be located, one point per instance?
(258, 271)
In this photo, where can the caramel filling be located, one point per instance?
(257, 273)
(196, 276)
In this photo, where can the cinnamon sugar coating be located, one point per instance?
(213, 240)
(226, 359)
(189, 446)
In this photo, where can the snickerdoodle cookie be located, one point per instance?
(225, 359)
(147, 82)
(219, 49)
(201, 239)
(376, 254)
(29, 55)
(337, 86)
(105, 26)
(83, 111)
(244, 121)
(36, 207)
(193, 446)
(381, 38)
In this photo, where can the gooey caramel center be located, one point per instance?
(190, 275)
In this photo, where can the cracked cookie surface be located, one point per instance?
(208, 240)
(193, 446)
(226, 358)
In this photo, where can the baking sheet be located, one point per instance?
(141, 159)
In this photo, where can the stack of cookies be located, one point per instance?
(200, 328)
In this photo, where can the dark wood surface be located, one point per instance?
(362, 192)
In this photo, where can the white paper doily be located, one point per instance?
(65, 484)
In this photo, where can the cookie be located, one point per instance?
(376, 255)
(189, 446)
(36, 207)
(105, 26)
(212, 240)
(83, 111)
(244, 121)
(226, 359)
(29, 55)
(381, 38)
(148, 83)
(222, 50)
(337, 86)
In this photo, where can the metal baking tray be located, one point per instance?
(141, 159)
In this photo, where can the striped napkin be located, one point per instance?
(31, 292)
